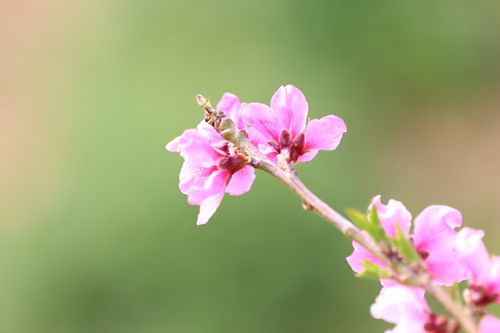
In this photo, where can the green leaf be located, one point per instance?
(373, 272)
(371, 224)
(376, 231)
(358, 218)
(405, 246)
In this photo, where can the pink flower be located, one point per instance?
(433, 237)
(285, 130)
(212, 166)
(483, 270)
(489, 324)
(406, 307)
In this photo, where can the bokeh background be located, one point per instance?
(95, 236)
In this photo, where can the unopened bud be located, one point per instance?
(201, 100)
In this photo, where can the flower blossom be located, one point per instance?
(483, 269)
(407, 308)
(433, 238)
(284, 129)
(489, 324)
(212, 166)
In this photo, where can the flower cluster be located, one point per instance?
(436, 248)
(214, 166)
(412, 258)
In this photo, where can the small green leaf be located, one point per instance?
(376, 230)
(370, 224)
(358, 218)
(373, 272)
(405, 246)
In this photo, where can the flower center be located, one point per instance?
(289, 147)
(439, 324)
(481, 297)
(231, 163)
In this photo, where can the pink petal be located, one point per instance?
(360, 255)
(186, 138)
(404, 306)
(215, 188)
(489, 324)
(209, 134)
(473, 254)
(325, 133)
(264, 119)
(174, 145)
(494, 284)
(309, 155)
(241, 181)
(231, 106)
(196, 144)
(200, 152)
(392, 214)
(434, 234)
(446, 270)
(292, 106)
(194, 181)
(256, 138)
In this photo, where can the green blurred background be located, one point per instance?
(95, 235)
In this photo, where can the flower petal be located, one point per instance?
(241, 181)
(263, 119)
(292, 106)
(489, 324)
(216, 193)
(230, 105)
(360, 255)
(325, 133)
(473, 255)
(392, 214)
(195, 181)
(494, 284)
(434, 234)
(404, 306)
(307, 156)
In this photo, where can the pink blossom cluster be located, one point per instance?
(213, 166)
(448, 255)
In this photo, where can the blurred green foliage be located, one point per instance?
(118, 250)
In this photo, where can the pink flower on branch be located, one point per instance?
(212, 166)
(283, 126)
(434, 238)
(220, 156)
(483, 270)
